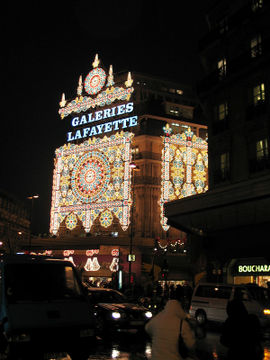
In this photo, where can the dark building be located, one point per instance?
(14, 223)
(229, 224)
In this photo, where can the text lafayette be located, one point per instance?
(103, 128)
(98, 129)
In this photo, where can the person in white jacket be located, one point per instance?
(164, 329)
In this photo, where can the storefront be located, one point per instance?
(102, 265)
(249, 270)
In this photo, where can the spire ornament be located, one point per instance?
(63, 101)
(129, 81)
(80, 86)
(96, 62)
(110, 79)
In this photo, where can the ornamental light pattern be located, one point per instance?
(92, 180)
(93, 84)
(184, 167)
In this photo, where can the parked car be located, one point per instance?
(43, 307)
(209, 302)
(114, 313)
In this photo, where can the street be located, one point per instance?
(131, 347)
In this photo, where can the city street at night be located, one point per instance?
(135, 180)
(130, 347)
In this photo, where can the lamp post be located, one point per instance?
(133, 168)
(32, 198)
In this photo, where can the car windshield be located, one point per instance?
(41, 282)
(107, 297)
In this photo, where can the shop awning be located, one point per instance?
(232, 206)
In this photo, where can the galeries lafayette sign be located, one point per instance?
(97, 129)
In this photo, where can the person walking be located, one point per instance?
(241, 333)
(164, 330)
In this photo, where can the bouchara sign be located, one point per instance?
(254, 268)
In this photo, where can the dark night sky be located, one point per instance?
(46, 48)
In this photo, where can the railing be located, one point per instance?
(255, 111)
(256, 165)
(221, 176)
(149, 180)
(148, 155)
(219, 126)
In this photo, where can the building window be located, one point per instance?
(223, 25)
(256, 5)
(174, 110)
(222, 68)
(258, 94)
(224, 165)
(256, 46)
(260, 161)
(221, 118)
(221, 111)
(179, 92)
(262, 149)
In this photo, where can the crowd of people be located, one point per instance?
(241, 332)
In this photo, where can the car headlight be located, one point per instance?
(266, 311)
(148, 314)
(116, 315)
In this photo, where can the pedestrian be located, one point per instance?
(164, 330)
(241, 333)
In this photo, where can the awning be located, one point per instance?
(232, 206)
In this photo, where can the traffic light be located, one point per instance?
(164, 274)
(164, 270)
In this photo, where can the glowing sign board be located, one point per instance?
(265, 268)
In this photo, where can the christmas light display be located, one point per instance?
(184, 167)
(92, 180)
(94, 82)
(92, 264)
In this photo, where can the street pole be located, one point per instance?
(133, 168)
(32, 198)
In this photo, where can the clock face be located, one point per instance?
(95, 81)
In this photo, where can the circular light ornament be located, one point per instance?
(95, 81)
(106, 218)
(71, 221)
(90, 177)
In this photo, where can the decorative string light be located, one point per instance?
(184, 167)
(93, 85)
(92, 180)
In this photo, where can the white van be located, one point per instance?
(209, 301)
(43, 307)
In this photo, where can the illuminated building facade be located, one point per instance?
(97, 196)
(229, 223)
